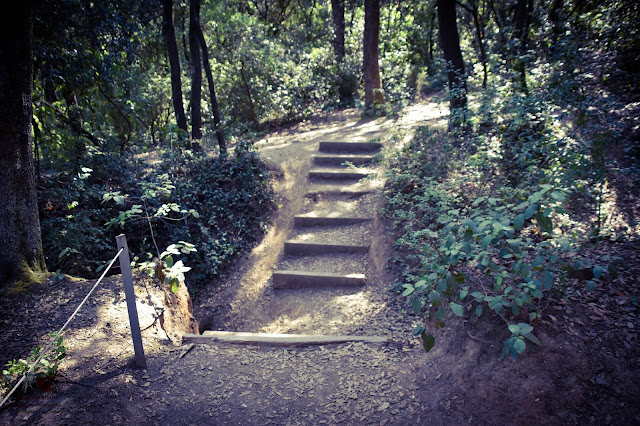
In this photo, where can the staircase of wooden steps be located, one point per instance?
(328, 247)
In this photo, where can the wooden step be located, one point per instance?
(306, 220)
(340, 160)
(349, 147)
(299, 248)
(338, 174)
(337, 190)
(275, 339)
(297, 279)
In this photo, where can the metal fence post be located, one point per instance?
(127, 280)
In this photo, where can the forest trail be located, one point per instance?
(347, 383)
(461, 381)
(265, 294)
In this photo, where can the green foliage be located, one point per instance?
(220, 205)
(46, 368)
(482, 218)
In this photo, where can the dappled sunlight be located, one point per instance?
(351, 310)
(618, 219)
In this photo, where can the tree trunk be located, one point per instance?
(345, 86)
(212, 93)
(168, 32)
(520, 32)
(252, 111)
(196, 75)
(431, 28)
(556, 25)
(450, 43)
(21, 254)
(372, 84)
(337, 11)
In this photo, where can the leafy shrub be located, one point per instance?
(481, 218)
(46, 368)
(217, 205)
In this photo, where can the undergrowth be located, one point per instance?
(486, 220)
(211, 208)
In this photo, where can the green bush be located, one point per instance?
(219, 205)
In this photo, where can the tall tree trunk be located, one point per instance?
(431, 28)
(196, 75)
(252, 111)
(168, 32)
(556, 25)
(372, 84)
(337, 11)
(21, 255)
(345, 86)
(450, 43)
(212, 92)
(521, 32)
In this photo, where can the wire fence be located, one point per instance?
(125, 266)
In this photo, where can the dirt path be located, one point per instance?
(249, 302)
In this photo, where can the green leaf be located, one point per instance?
(479, 310)
(558, 196)
(464, 292)
(415, 302)
(591, 285)
(478, 201)
(532, 338)
(428, 341)
(457, 309)
(535, 197)
(525, 328)
(597, 271)
(518, 222)
(547, 279)
(544, 222)
(519, 345)
(408, 289)
(486, 241)
(531, 210)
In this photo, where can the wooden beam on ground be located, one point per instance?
(338, 174)
(275, 339)
(340, 160)
(304, 220)
(300, 248)
(297, 279)
(349, 147)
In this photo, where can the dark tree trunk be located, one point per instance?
(196, 75)
(345, 86)
(168, 32)
(337, 11)
(372, 84)
(432, 26)
(21, 254)
(521, 30)
(450, 43)
(212, 93)
(556, 25)
(252, 111)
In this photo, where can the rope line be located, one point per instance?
(53, 339)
